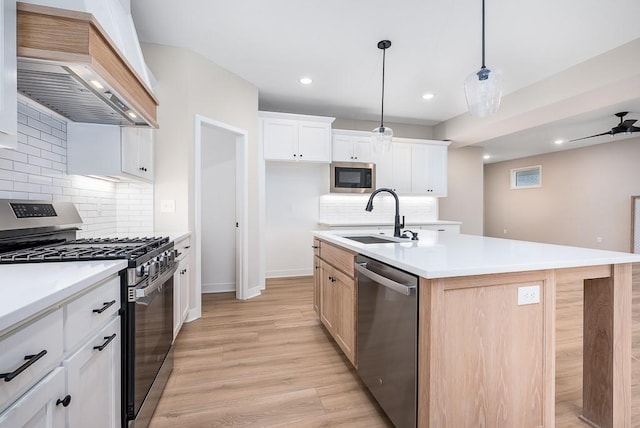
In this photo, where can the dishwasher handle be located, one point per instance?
(406, 290)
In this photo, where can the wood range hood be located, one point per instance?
(68, 63)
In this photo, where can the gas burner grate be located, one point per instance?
(86, 250)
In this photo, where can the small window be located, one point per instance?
(526, 178)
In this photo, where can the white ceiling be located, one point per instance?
(435, 45)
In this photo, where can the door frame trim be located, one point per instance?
(242, 198)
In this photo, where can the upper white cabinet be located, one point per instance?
(351, 146)
(293, 137)
(429, 169)
(415, 167)
(8, 98)
(137, 152)
(110, 150)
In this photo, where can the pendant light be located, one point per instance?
(483, 88)
(381, 136)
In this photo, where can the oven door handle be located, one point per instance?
(155, 285)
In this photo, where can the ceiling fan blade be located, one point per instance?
(633, 129)
(591, 136)
(628, 123)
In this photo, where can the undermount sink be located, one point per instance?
(371, 239)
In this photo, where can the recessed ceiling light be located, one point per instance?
(558, 142)
(306, 80)
(486, 157)
(132, 114)
(428, 96)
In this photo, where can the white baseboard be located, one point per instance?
(289, 272)
(223, 287)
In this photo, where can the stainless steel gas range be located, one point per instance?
(40, 232)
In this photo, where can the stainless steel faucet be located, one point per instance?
(396, 225)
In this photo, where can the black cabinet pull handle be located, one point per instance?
(107, 341)
(65, 401)
(8, 377)
(315, 247)
(105, 307)
(189, 246)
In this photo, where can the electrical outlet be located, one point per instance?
(505, 231)
(599, 239)
(529, 295)
(168, 206)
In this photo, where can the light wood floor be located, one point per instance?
(268, 362)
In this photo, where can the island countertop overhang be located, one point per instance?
(445, 255)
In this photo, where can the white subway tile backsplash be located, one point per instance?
(24, 167)
(346, 209)
(38, 161)
(37, 171)
(37, 142)
(13, 155)
(28, 131)
(36, 123)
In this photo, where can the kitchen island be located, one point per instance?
(486, 360)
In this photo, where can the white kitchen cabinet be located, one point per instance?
(137, 152)
(351, 146)
(401, 167)
(110, 150)
(43, 406)
(181, 285)
(74, 378)
(94, 381)
(384, 169)
(429, 169)
(290, 137)
(8, 91)
(41, 340)
(413, 167)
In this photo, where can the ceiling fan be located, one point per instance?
(625, 126)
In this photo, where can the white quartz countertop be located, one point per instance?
(388, 223)
(443, 255)
(29, 288)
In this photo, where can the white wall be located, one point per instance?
(190, 85)
(218, 210)
(292, 196)
(465, 190)
(36, 170)
(585, 195)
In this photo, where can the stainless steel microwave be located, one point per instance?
(353, 177)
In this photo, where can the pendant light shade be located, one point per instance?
(381, 136)
(483, 88)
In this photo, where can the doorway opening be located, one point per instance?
(221, 199)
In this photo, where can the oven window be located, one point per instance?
(153, 336)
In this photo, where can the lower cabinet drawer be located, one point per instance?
(28, 354)
(42, 406)
(90, 311)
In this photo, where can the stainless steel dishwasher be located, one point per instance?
(387, 338)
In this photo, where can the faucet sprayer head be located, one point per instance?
(369, 206)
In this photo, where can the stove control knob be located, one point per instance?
(171, 256)
(142, 270)
(154, 267)
(161, 261)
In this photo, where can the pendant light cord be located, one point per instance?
(384, 52)
(483, 66)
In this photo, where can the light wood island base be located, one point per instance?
(485, 361)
